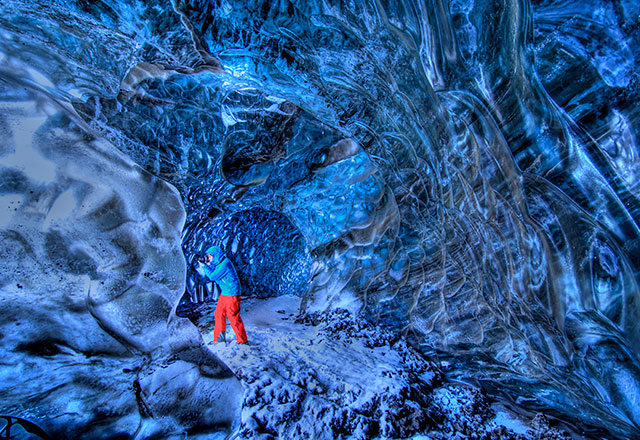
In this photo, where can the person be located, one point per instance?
(219, 269)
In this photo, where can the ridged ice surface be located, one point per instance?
(270, 260)
(91, 269)
(464, 172)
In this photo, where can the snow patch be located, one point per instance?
(333, 375)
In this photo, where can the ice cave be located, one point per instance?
(433, 208)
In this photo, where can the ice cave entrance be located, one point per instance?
(269, 253)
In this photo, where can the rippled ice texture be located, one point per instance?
(90, 270)
(463, 172)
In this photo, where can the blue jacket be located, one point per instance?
(222, 272)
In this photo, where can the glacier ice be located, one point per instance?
(92, 269)
(463, 172)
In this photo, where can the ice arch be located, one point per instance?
(269, 253)
(463, 182)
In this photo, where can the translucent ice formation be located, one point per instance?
(90, 271)
(464, 172)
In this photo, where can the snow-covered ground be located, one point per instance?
(334, 376)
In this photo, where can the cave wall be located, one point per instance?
(91, 271)
(463, 172)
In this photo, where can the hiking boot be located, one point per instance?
(221, 338)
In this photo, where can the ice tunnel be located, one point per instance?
(269, 253)
(461, 173)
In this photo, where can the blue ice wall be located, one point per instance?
(268, 252)
(463, 172)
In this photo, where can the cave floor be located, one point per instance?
(334, 377)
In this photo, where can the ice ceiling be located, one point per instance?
(462, 172)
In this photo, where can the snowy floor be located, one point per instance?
(334, 376)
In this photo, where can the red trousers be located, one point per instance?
(229, 307)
